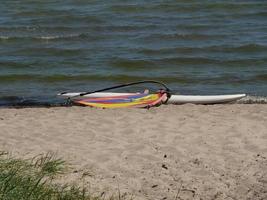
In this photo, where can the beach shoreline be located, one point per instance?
(19, 102)
(186, 151)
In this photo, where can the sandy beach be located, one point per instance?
(170, 152)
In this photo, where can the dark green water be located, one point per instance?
(196, 47)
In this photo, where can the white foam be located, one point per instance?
(253, 100)
(4, 37)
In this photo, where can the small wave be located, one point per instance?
(199, 27)
(50, 37)
(232, 6)
(180, 61)
(184, 6)
(128, 8)
(9, 100)
(243, 49)
(253, 100)
(64, 16)
(111, 29)
(63, 37)
(251, 48)
(58, 52)
(247, 15)
(169, 61)
(13, 64)
(183, 61)
(52, 28)
(4, 37)
(55, 37)
(174, 79)
(175, 37)
(262, 77)
(50, 79)
(45, 78)
(243, 62)
(212, 11)
(132, 64)
(246, 48)
(21, 102)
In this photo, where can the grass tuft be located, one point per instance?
(49, 165)
(32, 179)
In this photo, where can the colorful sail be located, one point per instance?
(133, 100)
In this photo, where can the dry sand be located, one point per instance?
(170, 152)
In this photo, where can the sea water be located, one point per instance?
(195, 47)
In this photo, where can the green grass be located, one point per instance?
(32, 179)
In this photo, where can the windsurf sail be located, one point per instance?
(141, 100)
(144, 100)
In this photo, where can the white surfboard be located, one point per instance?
(175, 99)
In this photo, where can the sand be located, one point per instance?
(170, 152)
